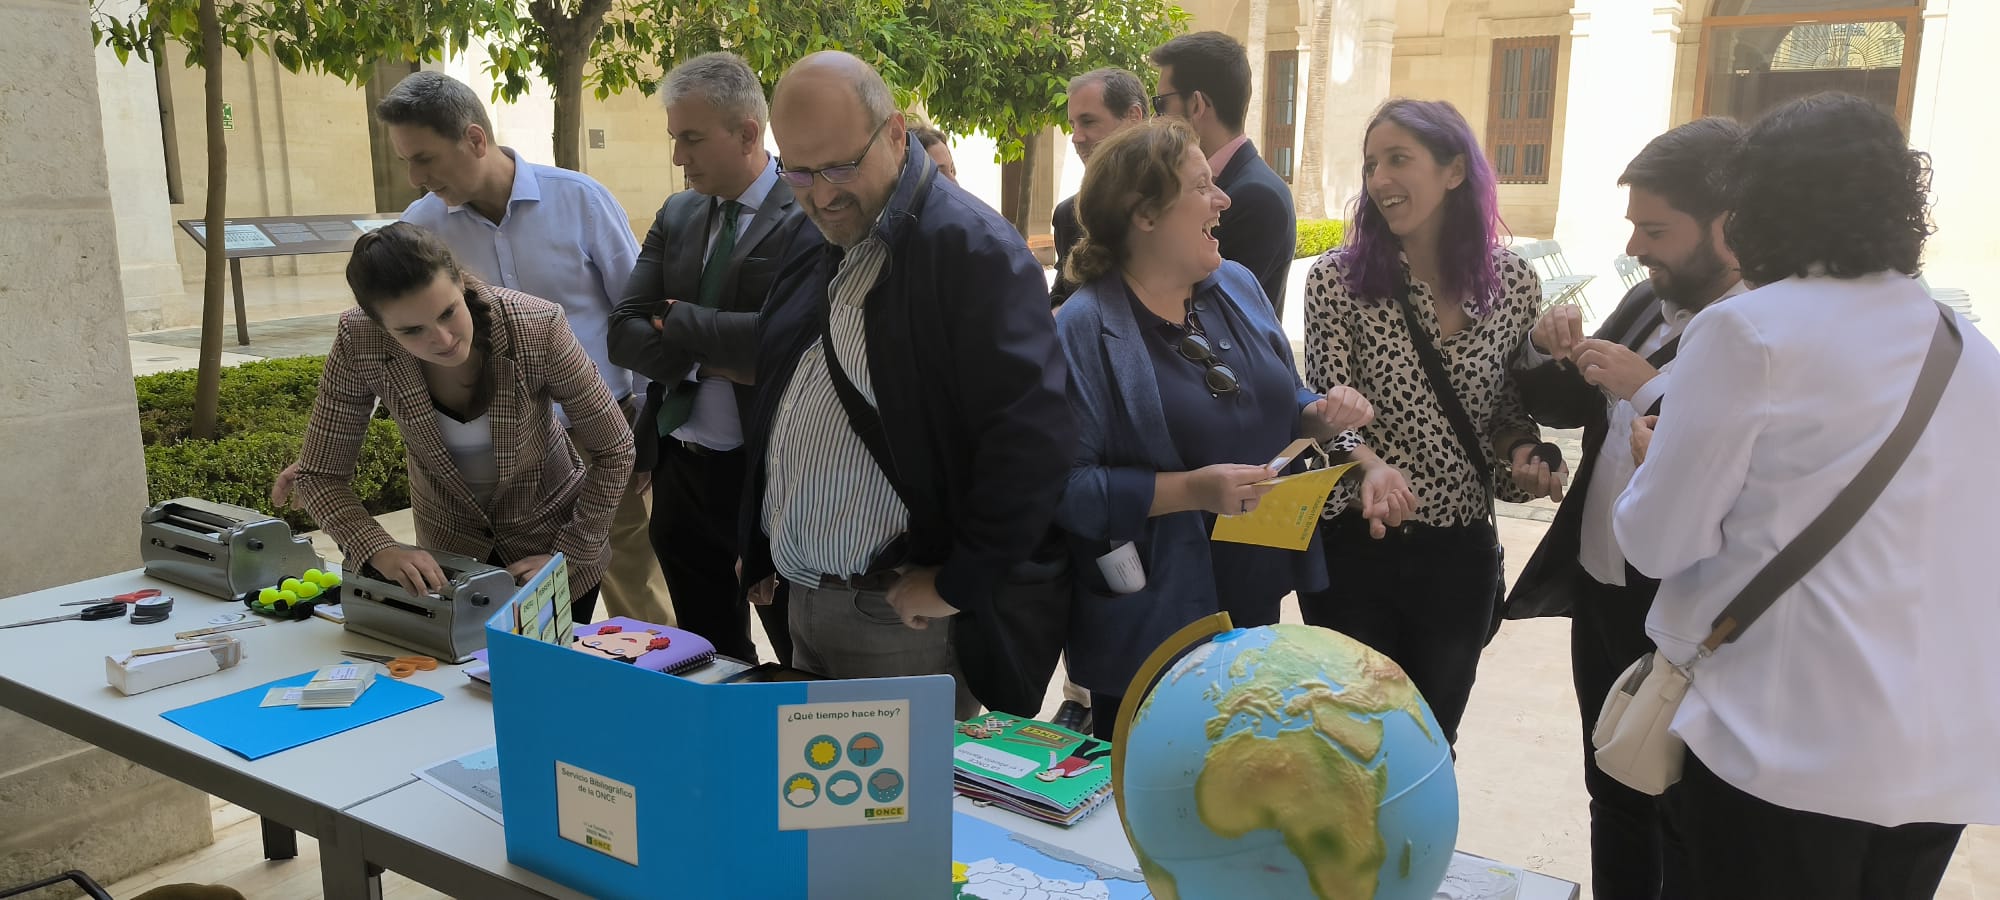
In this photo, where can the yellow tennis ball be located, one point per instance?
(288, 595)
(267, 595)
(308, 590)
(329, 579)
(289, 584)
(311, 575)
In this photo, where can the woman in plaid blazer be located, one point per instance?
(471, 374)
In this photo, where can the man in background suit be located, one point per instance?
(1101, 103)
(688, 321)
(1205, 79)
(1602, 384)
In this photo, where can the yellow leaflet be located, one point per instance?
(1286, 517)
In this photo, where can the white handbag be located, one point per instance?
(1634, 735)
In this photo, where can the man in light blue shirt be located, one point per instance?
(543, 231)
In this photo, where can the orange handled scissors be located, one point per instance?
(399, 666)
(133, 597)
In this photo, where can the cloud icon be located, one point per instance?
(801, 796)
(843, 789)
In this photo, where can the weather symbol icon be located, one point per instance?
(865, 750)
(843, 788)
(822, 752)
(801, 791)
(885, 786)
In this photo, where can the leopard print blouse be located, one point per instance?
(1366, 345)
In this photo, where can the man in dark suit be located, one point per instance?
(1101, 103)
(1603, 384)
(688, 321)
(1205, 79)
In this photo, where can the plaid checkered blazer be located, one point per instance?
(547, 500)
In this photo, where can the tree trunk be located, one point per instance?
(1310, 186)
(208, 380)
(570, 38)
(567, 63)
(1260, 26)
(1024, 192)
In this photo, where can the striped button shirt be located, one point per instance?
(828, 508)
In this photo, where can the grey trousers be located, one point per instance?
(844, 633)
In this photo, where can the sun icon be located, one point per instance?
(800, 784)
(824, 753)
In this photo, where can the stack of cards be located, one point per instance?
(332, 687)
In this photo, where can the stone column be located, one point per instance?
(1364, 39)
(148, 270)
(70, 432)
(1621, 85)
(1945, 121)
(1255, 46)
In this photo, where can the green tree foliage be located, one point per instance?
(1002, 67)
(342, 38)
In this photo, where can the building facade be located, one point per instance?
(1561, 92)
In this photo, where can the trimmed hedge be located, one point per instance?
(1316, 236)
(261, 417)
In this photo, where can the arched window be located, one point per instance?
(1756, 54)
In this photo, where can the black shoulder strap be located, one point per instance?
(861, 415)
(1819, 538)
(1434, 370)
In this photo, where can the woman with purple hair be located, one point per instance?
(1422, 284)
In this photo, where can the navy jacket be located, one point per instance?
(1067, 232)
(967, 375)
(1123, 442)
(1259, 229)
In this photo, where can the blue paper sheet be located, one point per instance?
(237, 723)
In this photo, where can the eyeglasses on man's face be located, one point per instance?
(837, 174)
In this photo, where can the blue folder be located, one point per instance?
(237, 723)
(703, 762)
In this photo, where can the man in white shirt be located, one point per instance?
(1838, 743)
(544, 231)
(1602, 384)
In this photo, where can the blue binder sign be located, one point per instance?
(622, 782)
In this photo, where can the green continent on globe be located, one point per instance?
(1302, 658)
(1301, 785)
(1324, 802)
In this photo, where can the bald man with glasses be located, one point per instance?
(911, 432)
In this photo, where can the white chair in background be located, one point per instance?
(1629, 270)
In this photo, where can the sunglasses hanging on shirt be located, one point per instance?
(1194, 347)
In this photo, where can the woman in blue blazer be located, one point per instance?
(1183, 385)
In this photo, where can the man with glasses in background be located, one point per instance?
(911, 432)
(1205, 79)
(1101, 103)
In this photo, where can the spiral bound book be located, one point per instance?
(659, 648)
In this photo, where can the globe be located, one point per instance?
(1285, 761)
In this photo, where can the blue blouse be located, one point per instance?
(1143, 409)
(1247, 427)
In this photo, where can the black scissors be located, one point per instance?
(112, 610)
